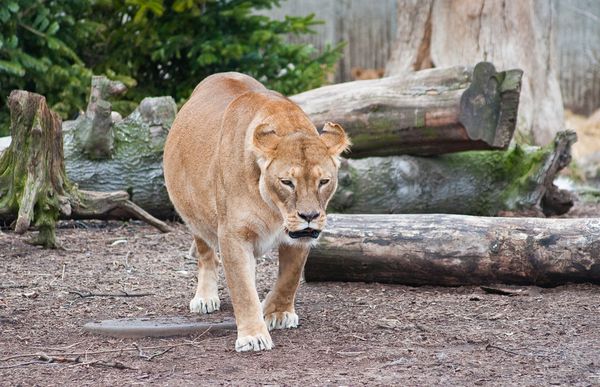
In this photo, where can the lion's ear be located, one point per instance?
(335, 138)
(265, 140)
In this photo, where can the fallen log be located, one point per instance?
(471, 183)
(429, 112)
(128, 152)
(454, 250)
(34, 188)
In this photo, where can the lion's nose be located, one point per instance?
(308, 216)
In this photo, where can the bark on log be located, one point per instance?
(472, 183)
(430, 112)
(454, 250)
(135, 162)
(95, 127)
(34, 188)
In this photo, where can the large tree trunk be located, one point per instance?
(475, 183)
(442, 33)
(478, 183)
(34, 188)
(430, 112)
(453, 250)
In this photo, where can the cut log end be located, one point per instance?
(488, 108)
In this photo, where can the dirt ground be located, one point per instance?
(350, 333)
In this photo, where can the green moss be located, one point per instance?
(346, 185)
(419, 119)
(46, 215)
(590, 195)
(525, 168)
(430, 133)
(134, 138)
(513, 172)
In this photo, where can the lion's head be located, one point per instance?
(299, 175)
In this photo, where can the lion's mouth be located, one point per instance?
(306, 233)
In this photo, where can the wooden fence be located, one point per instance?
(368, 27)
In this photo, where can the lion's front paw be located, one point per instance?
(204, 305)
(281, 320)
(254, 343)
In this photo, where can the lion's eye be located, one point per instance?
(323, 182)
(287, 182)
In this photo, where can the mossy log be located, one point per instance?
(454, 250)
(471, 183)
(34, 187)
(132, 157)
(429, 112)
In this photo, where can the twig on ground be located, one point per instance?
(77, 360)
(490, 346)
(357, 337)
(124, 294)
(63, 348)
(21, 364)
(187, 343)
(7, 286)
(504, 292)
(150, 357)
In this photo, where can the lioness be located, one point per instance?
(247, 170)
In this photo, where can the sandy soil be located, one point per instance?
(350, 333)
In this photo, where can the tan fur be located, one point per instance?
(361, 73)
(230, 153)
(588, 133)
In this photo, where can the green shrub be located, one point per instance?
(156, 47)
(38, 44)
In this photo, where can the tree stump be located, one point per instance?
(34, 188)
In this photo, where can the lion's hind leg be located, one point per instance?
(206, 299)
